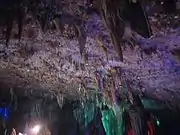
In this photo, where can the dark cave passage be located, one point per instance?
(26, 112)
(63, 121)
(169, 122)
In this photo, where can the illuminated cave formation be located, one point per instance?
(89, 67)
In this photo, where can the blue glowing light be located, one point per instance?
(4, 112)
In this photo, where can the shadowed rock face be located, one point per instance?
(129, 11)
(138, 19)
(169, 6)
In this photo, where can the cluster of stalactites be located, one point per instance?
(43, 11)
(110, 85)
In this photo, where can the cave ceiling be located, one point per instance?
(51, 61)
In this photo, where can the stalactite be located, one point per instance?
(36, 111)
(99, 81)
(60, 99)
(114, 86)
(136, 114)
(12, 96)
